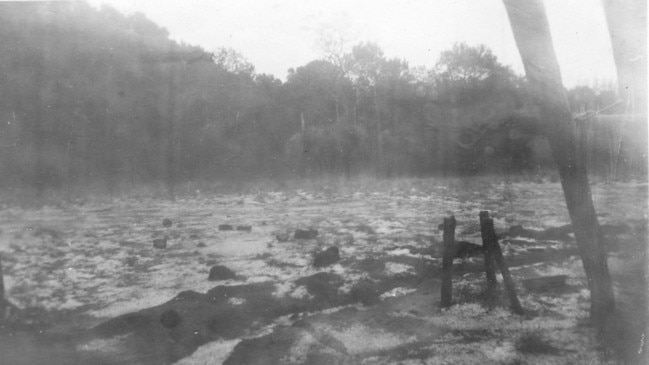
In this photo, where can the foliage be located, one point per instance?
(91, 96)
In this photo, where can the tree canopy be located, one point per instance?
(91, 96)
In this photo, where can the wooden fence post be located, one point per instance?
(447, 262)
(510, 287)
(489, 263)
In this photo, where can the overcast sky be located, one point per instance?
(276, 35)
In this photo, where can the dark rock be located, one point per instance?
(282, 236)
(365, 229)
(225, 227)
(201, 244)
(244, 228)
(324, 287)
(160, 242)
(219, 272)
(309, 234)
(465, 249)
(170, 319)
(189, 295)
(327, 257)
(166, 222)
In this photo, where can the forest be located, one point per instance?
(95, 98)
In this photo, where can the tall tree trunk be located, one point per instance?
(627, 25)
(532, 34)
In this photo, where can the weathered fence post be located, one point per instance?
(447, 261)
(490, 269)
(487, 225)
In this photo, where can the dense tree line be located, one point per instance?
(93, 96)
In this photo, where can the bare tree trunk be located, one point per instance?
(532, 34)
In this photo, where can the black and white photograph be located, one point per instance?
(372, 182)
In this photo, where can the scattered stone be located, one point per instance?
(324, 287)
(225, 227)
(517, 230)
(201, 244)
(545, 283)
(244, 228)
(282, 236)
(160, 242)
(327, 257)
(309, 234)
(365, 229)
(465, 249)
(166, 222)
(170, 319)
(219, 272)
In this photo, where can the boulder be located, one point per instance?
(160, 242)
(225, 227)
(167, 222)
(301, 234)
(282, 236)
(327, 257)
(219, 272)
(244, 228)
(465, 249)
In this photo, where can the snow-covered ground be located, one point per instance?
(98, 259)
